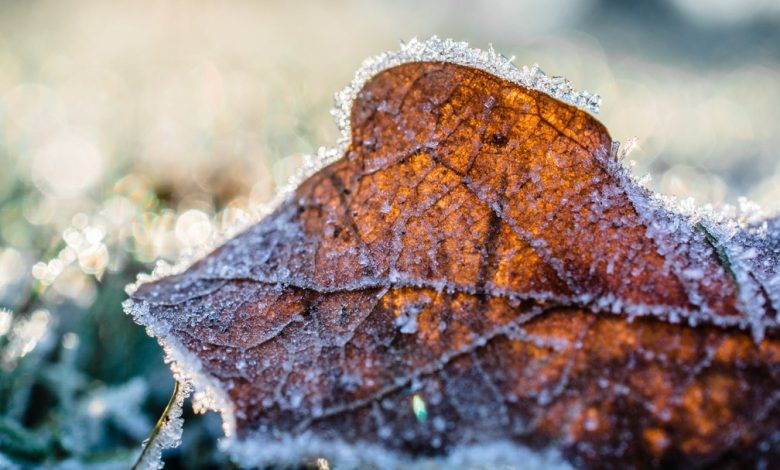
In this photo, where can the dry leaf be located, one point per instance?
(479, 268)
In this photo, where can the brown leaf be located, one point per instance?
(480, 268)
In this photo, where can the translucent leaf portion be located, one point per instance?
(477, 269)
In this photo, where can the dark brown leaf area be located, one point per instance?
(476, 248)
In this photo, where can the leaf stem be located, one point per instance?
(157, 427)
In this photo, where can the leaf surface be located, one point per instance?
(480, 249)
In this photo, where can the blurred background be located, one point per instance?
(132, 130)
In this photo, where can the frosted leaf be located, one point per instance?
(477, 246)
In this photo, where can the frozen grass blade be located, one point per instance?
(166, 433)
